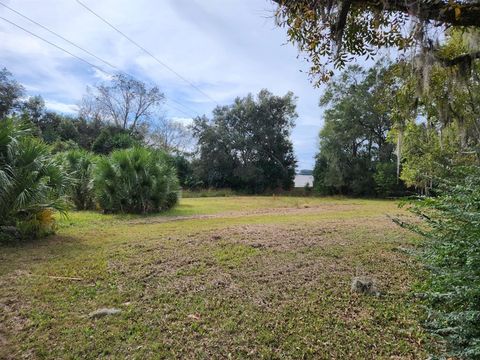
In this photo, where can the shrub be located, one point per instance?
(113, 138)
(136, 180)
(385, 178)
(80, 165)
(452, 227)
(185, 172)
(63, 146)
(32, 183)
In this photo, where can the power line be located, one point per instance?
(78, 57)
(60, 36)
(151, 55)
(57, 46)
(146, 51)
(185, 106)
(177, 109)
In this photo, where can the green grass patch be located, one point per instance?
(251, 277)
(233, 255)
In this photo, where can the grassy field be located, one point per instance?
(236, 277)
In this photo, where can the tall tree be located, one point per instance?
(169, 135)
(10, 93)
(336, 31)
(33, 109)
(246, 145)
(443, 130)
(353, 141)
(125, 102)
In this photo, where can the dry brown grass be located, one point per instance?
(246, 283)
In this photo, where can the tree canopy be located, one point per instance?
(10, 93)
(246, 145)
(355, 155)
(437, 128)
(336, 31)
(123, 101)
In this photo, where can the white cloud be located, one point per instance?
(183, 120)
(227, 49)
(61, 107)
(102, 76)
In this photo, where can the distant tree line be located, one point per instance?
(114, 115)
(119, 153)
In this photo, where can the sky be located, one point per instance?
(226, 48)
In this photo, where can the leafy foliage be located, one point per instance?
(385, 177)
(136, 180)
(246, 145)
(452, 228)
(79, 164)
(187, 176)
(436, 126)
(10, 93)
(113, 138)
(32, 182)
(334, 32)
(427, 156)
(355, 156)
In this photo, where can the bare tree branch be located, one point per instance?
(124, 101)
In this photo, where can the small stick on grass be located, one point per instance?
(58, 277)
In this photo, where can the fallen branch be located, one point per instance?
(58, 277)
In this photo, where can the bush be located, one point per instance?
(63, 146)
(113, 138)
(136, 180)
(32, 182)
(385, 178)
(185, 172)
(452, 227)
(80, 165)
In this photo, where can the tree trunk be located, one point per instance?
(399, 151)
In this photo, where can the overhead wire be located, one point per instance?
(59, 36)
(146, 51)
(84, 50)
(55, 45)
(154, 57)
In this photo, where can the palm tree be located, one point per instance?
(32, 183)
(80, 165)
(136, 180)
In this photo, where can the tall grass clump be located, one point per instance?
(80, 165)
(136, 180)
(32, 184)
(452, 229)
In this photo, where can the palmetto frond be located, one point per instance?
(30, 179)
(80, 165)
(136, 180)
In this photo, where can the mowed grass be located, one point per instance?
(215, 278)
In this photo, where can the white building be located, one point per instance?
(302, 180)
